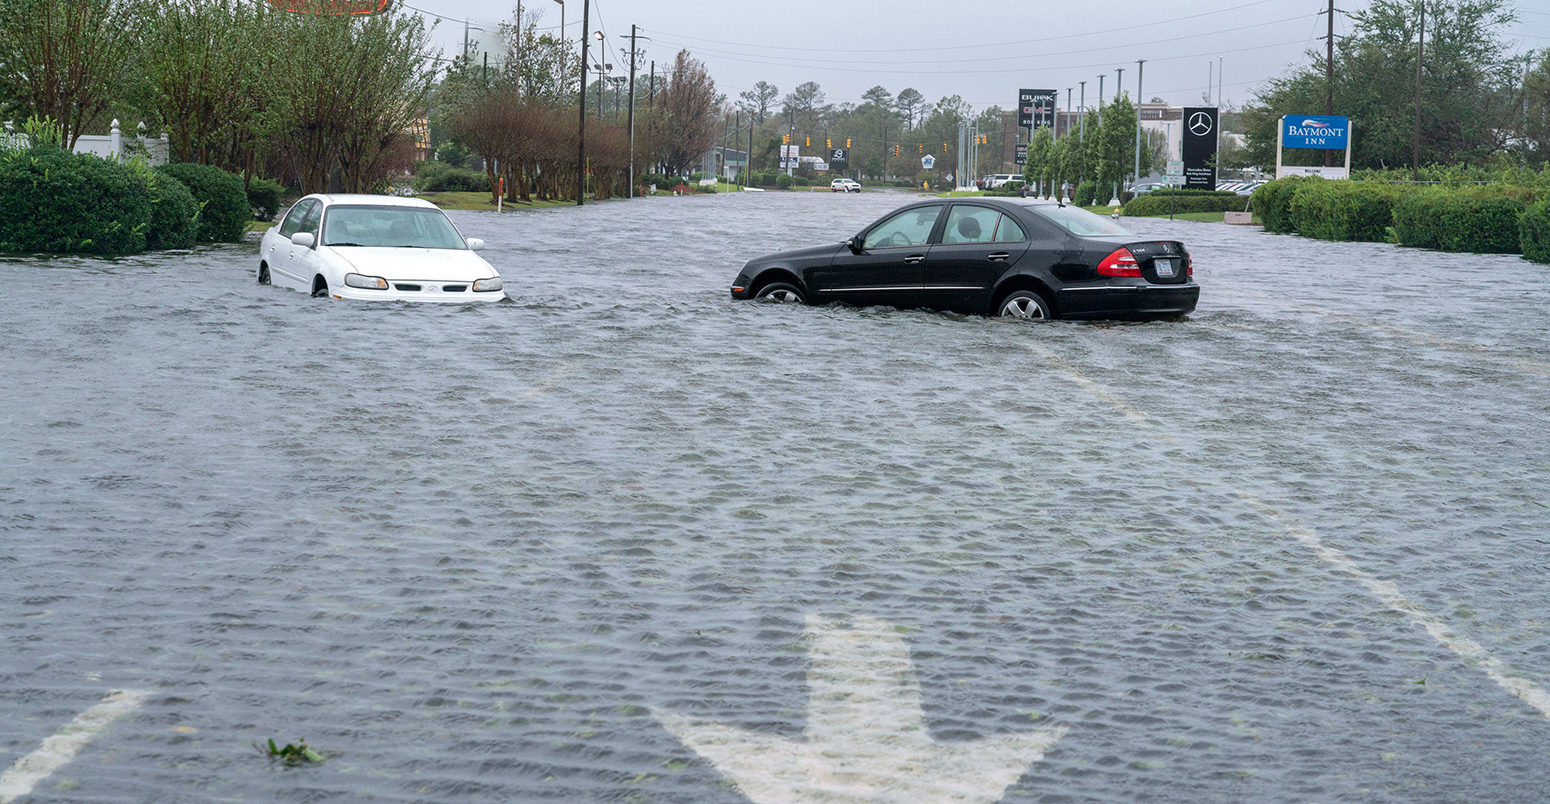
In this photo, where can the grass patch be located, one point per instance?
(1203, 217)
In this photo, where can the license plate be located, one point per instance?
(1165, 268)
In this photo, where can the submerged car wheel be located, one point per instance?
(319, 288)
(263, 273)
(1025, 304)
(781, 292)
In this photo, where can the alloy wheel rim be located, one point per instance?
(783, 296)
(1024, 308)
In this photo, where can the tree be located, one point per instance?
(65, 58)
(759, 100)
(1115, 145)
(689, 114)
(1040, 158)
(1466, 85)
(910, 105)
(804, 106)
(1536, 110)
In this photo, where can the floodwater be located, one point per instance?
(1293, 548)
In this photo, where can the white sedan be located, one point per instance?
(375, 247)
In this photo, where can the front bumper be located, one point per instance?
(425, 294)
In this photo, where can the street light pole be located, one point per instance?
(562, 39)
(1139, 74)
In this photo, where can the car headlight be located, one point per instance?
(486, 285)
(366, 282)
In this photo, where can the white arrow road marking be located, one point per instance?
(58, 750)
(866, 739)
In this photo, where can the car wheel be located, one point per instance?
(781, 292)
(263, 273)
(320, 288)
(1025, 304)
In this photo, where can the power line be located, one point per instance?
(1041, 41)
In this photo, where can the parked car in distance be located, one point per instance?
(1142, 188)
(1009, 257)
(996, 180)
(375, 247)
(845, 186)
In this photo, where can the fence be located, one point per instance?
(113, 145)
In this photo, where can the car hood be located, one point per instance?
(801, 254)
(394, 264)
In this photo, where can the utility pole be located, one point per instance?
(517, 54)
(633, 54)
(1420, 54)
(651, 96)
(581, 153)
(1100, 97)
(1139, 74)
(1119, 81)
(1329, 76)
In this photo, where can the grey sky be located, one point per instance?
(984, 51)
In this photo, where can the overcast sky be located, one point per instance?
(983, 51)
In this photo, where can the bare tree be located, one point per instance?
(64, 58)
(690, 113)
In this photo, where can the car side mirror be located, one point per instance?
(855, 244)
(304, 239)
(475, 244)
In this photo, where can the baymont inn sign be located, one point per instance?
(1314, 132)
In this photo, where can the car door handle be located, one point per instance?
(1000, 256)
(914, 259)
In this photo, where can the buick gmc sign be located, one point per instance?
(1321, 132)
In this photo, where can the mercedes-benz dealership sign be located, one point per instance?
(1201, 125)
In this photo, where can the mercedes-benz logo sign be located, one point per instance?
(1200, 124)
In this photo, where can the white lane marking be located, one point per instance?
(58, 750)
(1387, 592)
(1092, 387)
(865, 740)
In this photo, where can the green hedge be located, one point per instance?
(54, 201)
(1471, 221)
(440, 177)
(1534, 232)
(174, 212)
(1161, 202)
(264, 198)
(224, 211)
(1343, 210)
(1272, 202)
(1086, 194)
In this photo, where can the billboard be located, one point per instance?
(1199, 147)
(1036, 108)
(839, 158)
(1317, 132)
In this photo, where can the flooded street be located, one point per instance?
(1295, 548)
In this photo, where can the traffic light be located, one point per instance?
(785, 139)
(828, 142)
(807, 142)
(944, 149)
(921, 148)
(895, 150)
(847, 142)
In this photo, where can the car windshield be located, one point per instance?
(390, 227)
(1080, 222)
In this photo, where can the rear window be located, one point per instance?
(1080, 222)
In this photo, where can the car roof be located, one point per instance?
(372, 200)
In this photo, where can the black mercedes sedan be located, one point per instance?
(1014, 257)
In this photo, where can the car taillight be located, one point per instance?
(1189, 266)
(1120, 263)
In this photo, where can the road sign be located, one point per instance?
(1021, 157)
(865, 737)
(928, 162)
(1175, 174)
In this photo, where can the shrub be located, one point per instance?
(224, 211)
(1534, 232)
(1086, 194)
(1472, 221)
(53, 201)
(1272, 202)
(174, 212)
(452, 155)
(264, 198)
(1343, 210)
(440, 177)
(1161, 202)
(783, 181)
